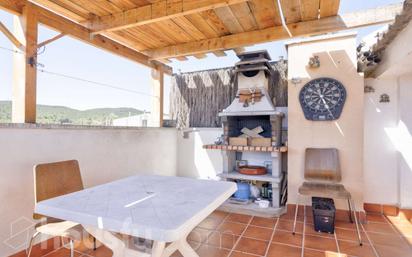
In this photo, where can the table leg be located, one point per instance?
(186, 250)
(181, 245)
(118, 246)
(120, 249)
(158, 249)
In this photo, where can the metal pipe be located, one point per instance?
(282, 18)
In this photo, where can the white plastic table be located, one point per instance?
(159, 208)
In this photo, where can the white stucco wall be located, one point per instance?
(193, 160)
(404, 143)
(104, 155)
(388, 141)
(388, 133)
(338, 60)
(380, 155)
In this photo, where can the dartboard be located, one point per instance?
(322, 99)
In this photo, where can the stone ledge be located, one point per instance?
(71, 127)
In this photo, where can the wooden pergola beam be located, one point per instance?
(380, 15)
(70, 28)
(159, 11)
(10, 36)
(48, 41)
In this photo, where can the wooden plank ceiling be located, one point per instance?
(150, 25)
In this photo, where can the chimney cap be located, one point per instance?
(254, 55)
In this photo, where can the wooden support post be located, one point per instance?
(24, 68)
(157, 99)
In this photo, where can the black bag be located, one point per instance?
(323, 214)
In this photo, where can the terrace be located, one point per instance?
(168, 190)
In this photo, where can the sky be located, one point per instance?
(73, 58)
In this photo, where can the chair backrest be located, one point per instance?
(56, 179)
(322, 164)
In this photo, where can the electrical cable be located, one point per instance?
(95, 83)
(11, 50)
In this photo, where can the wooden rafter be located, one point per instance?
(239, 50)
(48, 41)
(200, 56)
(70, 28)
(159, 11)
(328, 8)
(10, 36)
(219, 53)
(182, 58)
(368, 17)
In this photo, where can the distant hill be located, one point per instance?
(65, 115)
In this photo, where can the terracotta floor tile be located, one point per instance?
(288, 225)
(373, 208)
(210, 251)
(342, 215)
(286, 237)
(405, 214)
(221, 240)
(281, 250)
(231, 228)
(220, 215)
(252, 246)
(258, 233)
(310, 230)
(408, 240)
(379, 227)
(234, 217)
(264, 222)
(398, 220)
(376, 218)
(63, 252)
(388, 239)
(349, 234)
(390, 210)
(210, 223)
(45, 247)
(291, 216)
(317, 253)
(199, 235)
(102, 251)
(240, 254)
(403, 229)
(320, 243)
(175, 254)
(194, 245)
(346, 225)
(354, 249)
(389, 251)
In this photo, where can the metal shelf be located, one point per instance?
(252, 209)
(237, 175)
